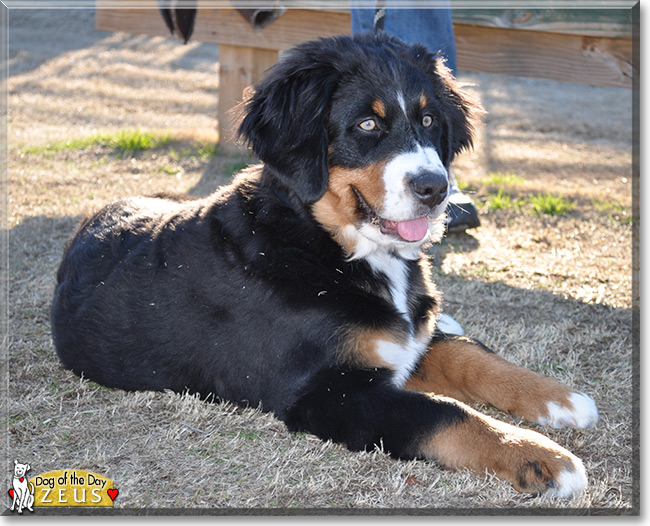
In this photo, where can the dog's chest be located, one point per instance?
(19, 482)
(402, 357)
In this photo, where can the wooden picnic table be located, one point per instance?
(587, 46)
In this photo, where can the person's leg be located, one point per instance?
(431, 27)
(362, 19)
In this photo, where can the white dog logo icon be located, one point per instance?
(22, 491)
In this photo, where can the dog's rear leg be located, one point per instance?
(362, 408)
(466, 370)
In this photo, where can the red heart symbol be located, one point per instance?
(112, 493)
(21, 479)
(11, 493)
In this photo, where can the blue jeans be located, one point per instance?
(431, 27)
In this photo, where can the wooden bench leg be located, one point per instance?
(239, 67)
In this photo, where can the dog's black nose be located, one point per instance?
(429, 187)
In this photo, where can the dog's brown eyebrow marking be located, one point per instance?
(379, 108)
(423, 100)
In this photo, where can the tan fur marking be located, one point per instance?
(425, 330)
(523, 457)
(334, 215)
(423, 101)
(379, 108)
(338, 206)
(462, 370)
(360, 347)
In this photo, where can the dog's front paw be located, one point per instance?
(576, 410)
(549, 469)
(535, 464)
(571, 480)
(531, 462)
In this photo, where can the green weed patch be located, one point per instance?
(123, 142)
(549, 204)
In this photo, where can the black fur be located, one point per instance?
(361, 408)
(243, 295)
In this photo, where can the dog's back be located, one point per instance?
(206, 296)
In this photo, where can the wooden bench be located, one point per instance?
(588, 46)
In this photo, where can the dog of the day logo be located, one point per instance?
(60, 488)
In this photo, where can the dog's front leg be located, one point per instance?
(532, 462)
(363, 409)
(466, 370)
(21, 501)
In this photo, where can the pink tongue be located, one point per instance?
(414, 229)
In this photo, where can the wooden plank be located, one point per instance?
(556, 56)
(611, 23)
(293, 27)
(239, 67)
(226, 26)
(297, 25)
(570, 58)
(129, 20)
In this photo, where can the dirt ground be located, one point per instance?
(552, 293)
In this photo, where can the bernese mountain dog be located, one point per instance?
(301, 288)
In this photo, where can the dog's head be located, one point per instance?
(363, 129)
(20, 469)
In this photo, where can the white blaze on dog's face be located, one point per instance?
(412, 181)
(388, 185)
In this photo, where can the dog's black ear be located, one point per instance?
(285, 118)
(461, 111)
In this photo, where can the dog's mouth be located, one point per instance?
(411, 230)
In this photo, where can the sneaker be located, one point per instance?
(448, 325)
(461, 213)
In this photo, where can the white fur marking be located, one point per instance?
(570, 481)
(395, 271)
(369, 240)
(401, 101)
(364, 245)
(402, 358)
(582, 413)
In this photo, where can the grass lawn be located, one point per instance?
(546, 280)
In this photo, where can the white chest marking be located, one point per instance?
(402, 357)
(396, 272)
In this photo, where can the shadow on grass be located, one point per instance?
(220, 170)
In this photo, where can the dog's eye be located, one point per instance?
(368, 125)
(427, 121)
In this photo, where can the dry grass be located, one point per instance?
(550, 293)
